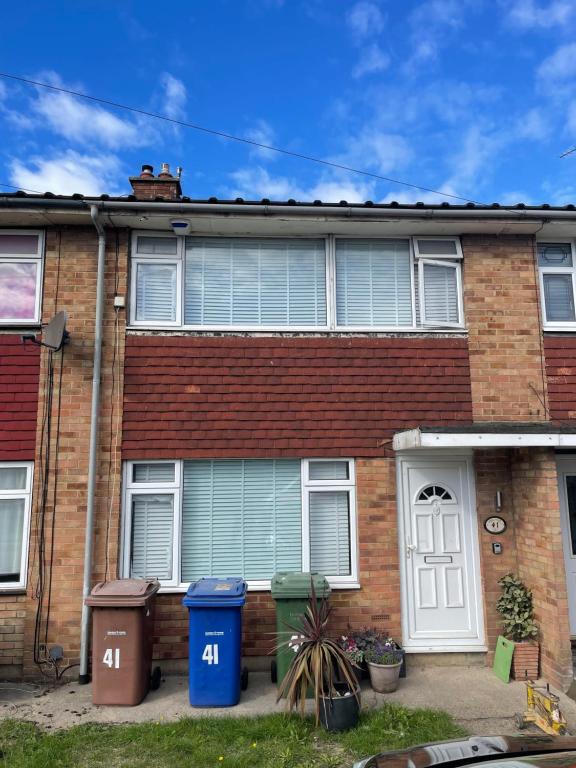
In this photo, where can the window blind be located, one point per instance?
(11, 532)
(152, 532)
(373, 286)
(156, 292)
(260, 282)
(328, 470)
(440, 294)
(558, 297)
(241, 518)
(153, 473)
(329, 532)
(13, 478)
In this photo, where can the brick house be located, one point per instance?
(351, 389)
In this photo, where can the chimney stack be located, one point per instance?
(161, 187)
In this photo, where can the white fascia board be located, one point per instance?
(413, 439)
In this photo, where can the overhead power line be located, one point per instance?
(232, 137)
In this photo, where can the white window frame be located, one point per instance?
(26, 495)
(27, 258)
(316, 486)
(132, 489)
(175, 488)
(437, 256)
(446, 264)
(551, 325)
(331, 315)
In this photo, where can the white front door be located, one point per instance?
(567, 493)
(442, 606)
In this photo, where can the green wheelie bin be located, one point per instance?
(291, 592)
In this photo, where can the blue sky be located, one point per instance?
(471, 97)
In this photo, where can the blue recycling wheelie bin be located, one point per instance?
(215, 646)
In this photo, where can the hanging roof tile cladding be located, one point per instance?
(192, 396)
(19, 378)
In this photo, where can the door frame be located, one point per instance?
(566, 465)
(403, 461)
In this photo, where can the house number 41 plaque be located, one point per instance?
(495, 525)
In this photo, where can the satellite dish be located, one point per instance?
(55, 333)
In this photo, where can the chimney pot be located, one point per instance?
(146, 186)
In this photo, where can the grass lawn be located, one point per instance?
(278, 741)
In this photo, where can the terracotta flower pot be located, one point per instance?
(525, 660)
(384, 677)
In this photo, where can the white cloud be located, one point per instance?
(174, 100)
(262, 133)
(67, 173)
(528, 14)
(372, 60)
(376, 150)
(533, 125)
(81, 122)
(365, 20)
(256, 182)
(561, 65)
(431, 23)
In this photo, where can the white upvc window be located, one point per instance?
(557, 268)
(20, 276)
(297, 284)
(15, 504)
(240, 517)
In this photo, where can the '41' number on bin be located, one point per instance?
(211, 653)
(112, 658)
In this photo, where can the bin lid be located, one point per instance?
(216, 593)
(295, 584)
(122, 593)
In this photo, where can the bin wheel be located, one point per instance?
(244, 678)
(519, 721)
(155, 679)
(274, 672)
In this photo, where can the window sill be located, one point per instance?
(257, 587)
(568, 328)
(289, 330)
(12, 591)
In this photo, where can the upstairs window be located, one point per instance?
(557, 267)
(332, 283)
(20, 276)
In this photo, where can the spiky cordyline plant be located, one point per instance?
(319, 661)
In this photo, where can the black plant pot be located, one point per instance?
(340, 713)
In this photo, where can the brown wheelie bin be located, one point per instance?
(122, 625)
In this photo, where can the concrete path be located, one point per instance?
(474, 696)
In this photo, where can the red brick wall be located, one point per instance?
(493, 474)
(502, 315)
(12, 615)
(75, 291)
(540, 556)
(191, 396)
(19, 374)
(561, 373)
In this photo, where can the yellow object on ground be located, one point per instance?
(542, 709)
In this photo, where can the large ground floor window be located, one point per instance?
(15, 499)
(240, 517)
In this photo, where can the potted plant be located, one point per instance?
(516, 607)
(354, 654)
(384, 660)
(321, 664)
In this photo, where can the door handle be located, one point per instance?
(409, 549)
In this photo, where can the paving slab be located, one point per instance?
(473, 696)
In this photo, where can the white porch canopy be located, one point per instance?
(513, 435)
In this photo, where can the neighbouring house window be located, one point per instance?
(20, 276)
(332, 283)
(15, 498)
(234, 517)
(557, 267)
